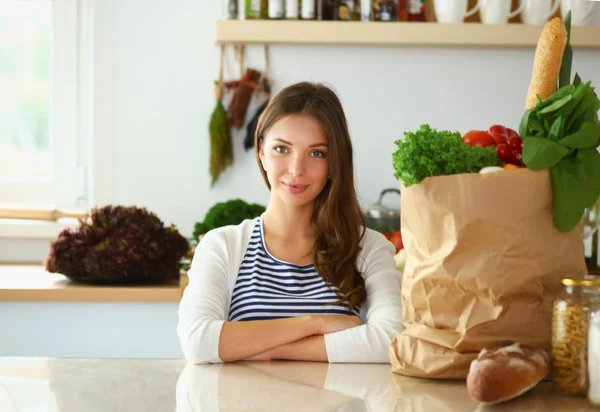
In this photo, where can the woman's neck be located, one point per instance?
(288, 222)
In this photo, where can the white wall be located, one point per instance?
(165, 61)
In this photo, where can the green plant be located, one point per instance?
(231, 212)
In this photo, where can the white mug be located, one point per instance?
(538, 11)
(581, 11)
(498, 11)
(453, 11)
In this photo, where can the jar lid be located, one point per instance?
(580, 282)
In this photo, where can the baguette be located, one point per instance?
(505, 373)
(547, 61)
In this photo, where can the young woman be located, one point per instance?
(305, 280)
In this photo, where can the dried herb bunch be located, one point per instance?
(118, 244)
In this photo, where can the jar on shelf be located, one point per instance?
(257, 9)
(276, 9)
(570, 327)
(292, 9)
(594, 356)
(385, 10)
(412, 10)
(232, 9)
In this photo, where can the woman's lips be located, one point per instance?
(295, 188)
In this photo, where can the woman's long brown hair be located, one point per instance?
(337, 219)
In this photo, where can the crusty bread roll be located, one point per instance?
(505, 373)
(547, 61)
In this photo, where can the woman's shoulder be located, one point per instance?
(373, 239)
(235, 230)
(375, 246)
(231, 234)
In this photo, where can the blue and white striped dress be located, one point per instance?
(267, 288)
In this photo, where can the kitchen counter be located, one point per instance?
(75, 385)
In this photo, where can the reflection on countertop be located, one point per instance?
(91, 385)
(279, 386)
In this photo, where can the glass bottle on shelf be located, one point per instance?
(385, 10)
(402, 10)
(348, 10)
(276, 9)
(292, 8)
(416, 10)
(232, 9)
(257, 9)
(570, 327)
(308, 9)
(327, 9)
(366, 10)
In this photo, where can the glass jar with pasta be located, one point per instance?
(570, 323)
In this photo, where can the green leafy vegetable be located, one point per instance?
(118, 244)
(428, 152)
(231, 212)
(562, 133)
(564, 77)
(540, 153)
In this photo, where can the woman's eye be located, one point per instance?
(318, 153)
(280, 149)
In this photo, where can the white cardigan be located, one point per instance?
(205, 303)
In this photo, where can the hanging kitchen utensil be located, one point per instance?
(266, 88)
(221, 147)
(244, 87)
(382, 218)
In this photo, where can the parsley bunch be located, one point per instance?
(428, 152)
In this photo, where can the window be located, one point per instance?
(42, 153)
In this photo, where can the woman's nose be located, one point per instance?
(297, 167)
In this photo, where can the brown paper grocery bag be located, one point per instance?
(484, 263)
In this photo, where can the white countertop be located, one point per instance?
(90, 385)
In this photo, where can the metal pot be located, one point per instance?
(382, 218)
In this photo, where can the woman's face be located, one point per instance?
(294, 155)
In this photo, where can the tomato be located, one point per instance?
(503, 152)
(515, 158)
(479, 137)
(396, 239)
(515, 143)
(512, 133)
(499, 133)
(387, 235)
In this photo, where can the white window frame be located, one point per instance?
(61, 187)
(89, 27)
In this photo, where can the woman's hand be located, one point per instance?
(336, 323)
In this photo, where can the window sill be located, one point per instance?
(33, 229)
(31, 283)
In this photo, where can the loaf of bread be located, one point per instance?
(547, 61)
(505, 373)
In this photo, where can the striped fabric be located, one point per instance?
(267, 288)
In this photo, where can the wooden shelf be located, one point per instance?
(393, 34)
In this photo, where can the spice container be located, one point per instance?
(416, 10)
(570, 326)
(276, 9)
(257, 9)
(594, 356)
